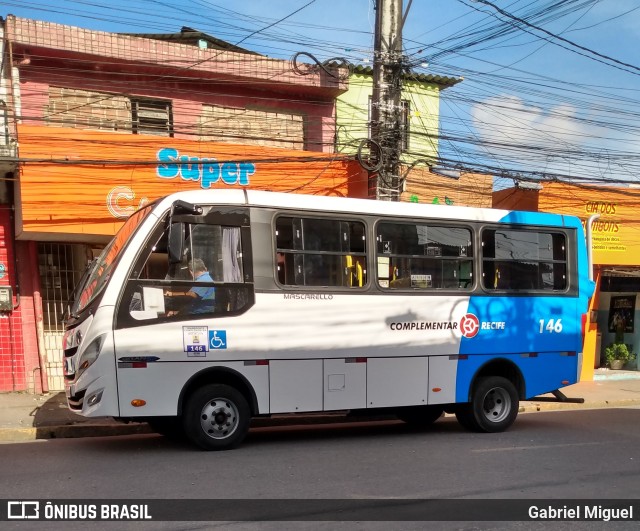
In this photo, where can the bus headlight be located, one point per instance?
(90, 354)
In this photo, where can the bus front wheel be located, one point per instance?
(216, 417)
(493, 407)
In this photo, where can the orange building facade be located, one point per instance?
(87, 182)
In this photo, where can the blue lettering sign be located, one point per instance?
(190, 169)
(210, 173)
(206, 170)
(245, 169)
(167, 171)
(229, 173)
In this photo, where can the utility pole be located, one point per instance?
(386, 104)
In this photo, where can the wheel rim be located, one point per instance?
(496, 405)
(219, 418)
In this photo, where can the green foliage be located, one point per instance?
(618, 351)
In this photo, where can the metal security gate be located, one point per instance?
(60, 265)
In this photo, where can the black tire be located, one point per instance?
(216, 417)
(493, 408)
(419, 415)
(170, 427)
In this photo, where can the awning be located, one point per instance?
(621, 271)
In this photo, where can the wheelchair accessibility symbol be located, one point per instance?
(217, 339)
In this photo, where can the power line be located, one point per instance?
(560, 38)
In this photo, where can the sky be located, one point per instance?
(550, 90)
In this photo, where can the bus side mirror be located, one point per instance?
(176, 242)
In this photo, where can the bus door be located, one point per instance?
(194, 271)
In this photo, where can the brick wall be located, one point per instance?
(110, 112)
(472, 189)
(12, 362)
(87, 109)
(251, 126)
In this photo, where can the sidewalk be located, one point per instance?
(25, 417)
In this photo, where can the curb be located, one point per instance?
(534, 406)
(113, 428)
(71, 431)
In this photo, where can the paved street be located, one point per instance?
(546, 455)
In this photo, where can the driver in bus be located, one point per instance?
(200, 299)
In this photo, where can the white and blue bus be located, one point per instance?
(209, 308)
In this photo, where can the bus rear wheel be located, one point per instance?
(493, 407)
(216, 417)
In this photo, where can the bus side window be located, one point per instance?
(523, 260)
(354, 271)
(424, 257)
(320, 252)
(456, 274)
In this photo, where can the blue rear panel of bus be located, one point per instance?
(541, 335)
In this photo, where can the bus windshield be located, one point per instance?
(102, 266)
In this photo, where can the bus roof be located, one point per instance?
(364, 206)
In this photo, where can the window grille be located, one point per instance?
(61, 266)
(151, 117)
